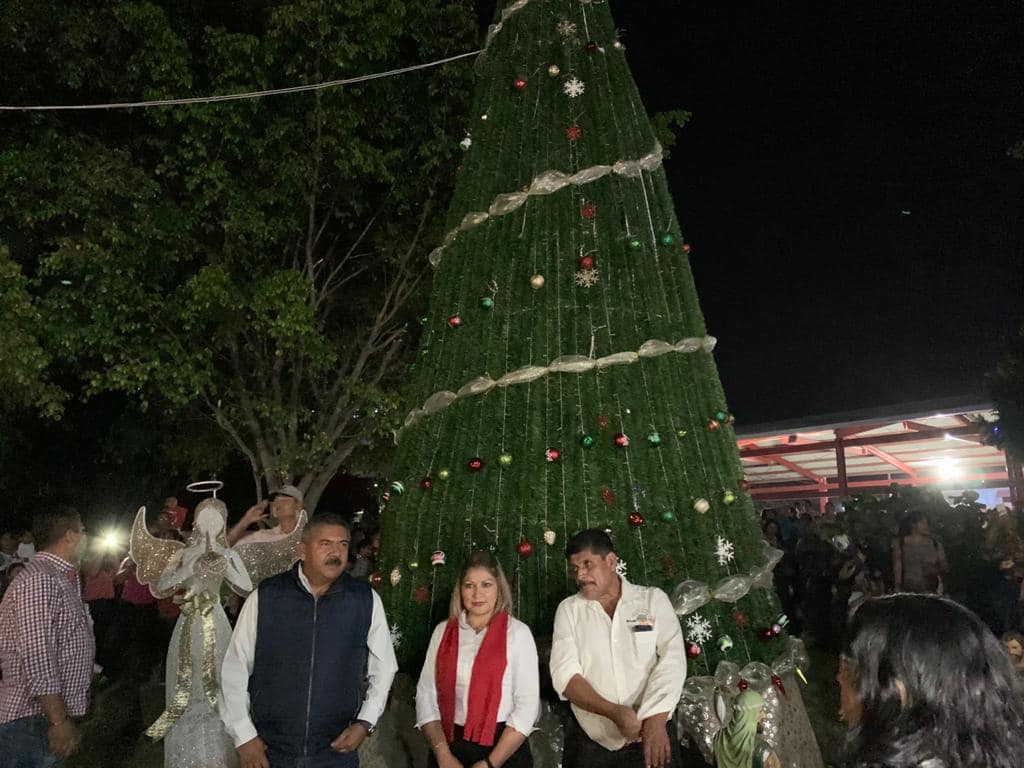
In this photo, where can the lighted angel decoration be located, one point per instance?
(190, 725)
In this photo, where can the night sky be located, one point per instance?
(858, 228)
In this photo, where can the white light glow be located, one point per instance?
(111, 539)
(948, 469)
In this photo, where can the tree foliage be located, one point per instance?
(1007, 384)
(256, 262)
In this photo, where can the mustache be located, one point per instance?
(333, 561)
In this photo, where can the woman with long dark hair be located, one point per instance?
(925, 684)
(918, 560)
(479, 693)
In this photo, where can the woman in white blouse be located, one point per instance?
(479, 693)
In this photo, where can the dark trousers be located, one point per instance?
(326, 759)
(581, 752)
(467, 753)
(25, 743)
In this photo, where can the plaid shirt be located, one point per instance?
(46, 640)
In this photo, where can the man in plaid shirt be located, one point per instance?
(46, 649)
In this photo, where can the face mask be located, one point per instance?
(26, 551)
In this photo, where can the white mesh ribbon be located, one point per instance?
(544, 184)
(563, 364)
(494, 29)
(689, 595)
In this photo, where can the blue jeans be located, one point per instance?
(25, 743)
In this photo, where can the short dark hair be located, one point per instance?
(595, 539)
(325, 518)
(50, 526)
(960, 704)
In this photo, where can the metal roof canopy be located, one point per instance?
(938, 443)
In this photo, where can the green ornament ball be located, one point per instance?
(444, 474)
(721, 415)
(724, 643)
(729, 497)
(635, 244)
(413, 564)
(654, 438)
(398, 487)
(586, 441)
(681, 433)
(668, 515)
(505, 459)
(487, 303)
(668, 238)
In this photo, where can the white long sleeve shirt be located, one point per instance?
(636, 657)
(381, 666)
(519, 707)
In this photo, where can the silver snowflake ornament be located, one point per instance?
(574, 87)
(396, 635)
(621, 567)
(586, 278)
(566, 28)
(724, 551)
(698, 629)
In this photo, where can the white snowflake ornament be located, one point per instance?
(466, 143)
(574, 87)
(586, 278)
(396, 635)
(724, 551)
(621, 567)
(566, 28)
(698, 629)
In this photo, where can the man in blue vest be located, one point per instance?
(308, 669)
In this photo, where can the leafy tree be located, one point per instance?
(255, 262)
(1007, 384)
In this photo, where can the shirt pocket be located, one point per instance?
(645, 647)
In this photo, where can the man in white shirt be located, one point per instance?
(284, 505)
(292, 683)
(617, 655)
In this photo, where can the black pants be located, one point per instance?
(467, 753)
(581, 752)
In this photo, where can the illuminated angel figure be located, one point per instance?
(190, 726)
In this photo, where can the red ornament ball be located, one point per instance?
(714, 424)
(765, 634)
(608, 495)
(421, 595)
(740, 618)
(587, 262)
(590, 47)
(376, 578)
(742, 684)
(602, 422)
(552, 454)
(621, 440)
(454, 321)
(635, 519)
(588, 211)
(475, 464)
(519, 83)
(426, 483)
(573, 133)
(777, 682)
(525, 548)
(385, 497)
(686, 248)
(692, 650)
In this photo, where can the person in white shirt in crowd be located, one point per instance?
(284, 506)
(478, 695)
(307, 673)
(617, 655)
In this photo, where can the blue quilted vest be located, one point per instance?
(306, 684)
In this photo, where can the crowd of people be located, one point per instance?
(309, 664)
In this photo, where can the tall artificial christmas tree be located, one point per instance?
(566, 379)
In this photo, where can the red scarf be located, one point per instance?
(484, 684)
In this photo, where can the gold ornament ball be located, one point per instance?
(537, 281)
(554, 70)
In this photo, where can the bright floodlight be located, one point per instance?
(948, 469)
(111, 539)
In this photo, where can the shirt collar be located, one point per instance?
(55, 561)
(626, 595)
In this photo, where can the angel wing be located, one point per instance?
(268, 558)
(150, 554)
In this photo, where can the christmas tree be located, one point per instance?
(566, 379)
